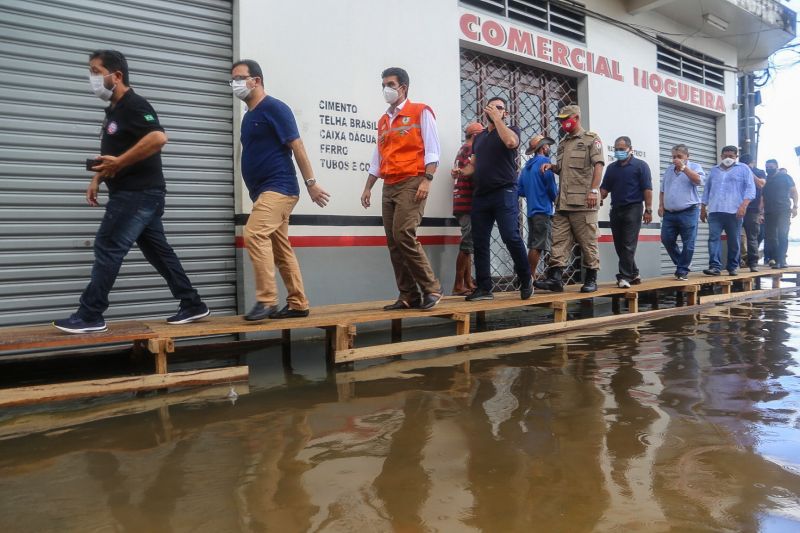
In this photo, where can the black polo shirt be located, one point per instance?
(125, 124)
(495, 163)
(627, 182)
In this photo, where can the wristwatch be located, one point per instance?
(648, 210)
(595, 191)
(311, 182)
(428, 176)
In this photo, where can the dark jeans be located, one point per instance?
(501, 206)
(683, 224)
(751, 230)
(132, 216)
(776, 234)
(626, 222)
(717, 222)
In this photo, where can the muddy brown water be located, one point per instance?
(689, 423)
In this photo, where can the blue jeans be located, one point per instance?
(777, 234)
(501, 206)
(132, 216)
(717, 222)
(683, 224)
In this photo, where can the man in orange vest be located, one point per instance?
(405, 157)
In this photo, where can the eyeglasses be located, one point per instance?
(239, 78)
(500, 108)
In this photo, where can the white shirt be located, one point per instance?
(430, 139)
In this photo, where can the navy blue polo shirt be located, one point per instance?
(495, 163)
(267, 165)
(627, 183)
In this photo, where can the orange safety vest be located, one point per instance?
(400, 144)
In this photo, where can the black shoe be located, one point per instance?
(287, 312)
(753, 268)
(399, 305)
(479, 294)
(590, 285)
(733, 272)
(553, 283)
(772, 263)
(189, 314)
(75, 324)
(526, 288)
(430, 300)
(260, 311)
(711, 272)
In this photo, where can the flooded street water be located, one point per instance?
(689, 423)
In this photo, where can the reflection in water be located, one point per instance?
(689, 423)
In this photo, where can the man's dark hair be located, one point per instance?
(402, 75)
(682, 148)
(498, 99)
(746, 159)
(624, 138)
(775, 161)
(253, 68)
(113, 61)
(729, 148)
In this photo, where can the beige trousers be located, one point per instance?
(572, 226)
(266, 236)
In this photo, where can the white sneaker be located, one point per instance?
(623, 284)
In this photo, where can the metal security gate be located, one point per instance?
(179, 54)
(534, 97)
(698, 132)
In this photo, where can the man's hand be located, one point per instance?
(365, 196)
(647, 217)
(703, 214)
(661, 211)
(455, 173)
(91, 191)
(493, 113)
(741, 212)
(761, 218)
(591, 200)
(318, 195)
(422, 190)
(108, 166)
(545, 167)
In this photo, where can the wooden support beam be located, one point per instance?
(100, 387)
(160, 348)
(462, 323)
(726, 286)
(691, 293)
(480, 320)
(615, 304)
(559, 311)
(776, 280)
(587, 308)
(632, 299)
(397, 329)
(747, 284)
(654, 301)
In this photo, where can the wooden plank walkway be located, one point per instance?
(340, 321)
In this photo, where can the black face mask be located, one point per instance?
(771, 171)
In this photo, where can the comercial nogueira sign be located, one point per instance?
(501, 35)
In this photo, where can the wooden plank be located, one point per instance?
(160, 348)
(385, 350)
(286, 343)
(738, 296)
(559, 311)
(397, 329)
(632, 298)
(32, 337)
(99, 387)
(462, 323)
(726, 286)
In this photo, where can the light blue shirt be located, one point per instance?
(727, 189)
(679, 191)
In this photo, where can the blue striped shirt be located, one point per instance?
(727, 189)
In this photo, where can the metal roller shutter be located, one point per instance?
(179, 54)
(698, 131)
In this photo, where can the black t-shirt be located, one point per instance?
(495, 164)
(776, 193)
(125, 124)
(755, 204)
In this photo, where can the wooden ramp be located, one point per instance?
(340, 321)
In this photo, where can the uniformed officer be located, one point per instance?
(579, 164)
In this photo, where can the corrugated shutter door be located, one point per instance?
(179, 54)
(677, 125)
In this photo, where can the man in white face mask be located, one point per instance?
(130, 166)
(729, 189)
(405, 157)
(270, 138)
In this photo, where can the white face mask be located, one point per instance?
(96, 82)
(728, 161)
(390, 94)
(240, 89)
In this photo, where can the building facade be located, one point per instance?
(660, 72)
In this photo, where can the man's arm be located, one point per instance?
(793, 196)
(430, 138)
(148, 145)
(372, 177)
(648, 206)
(661, 203)
(318, 195)
(597, 175)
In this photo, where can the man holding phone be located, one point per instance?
(130, 165)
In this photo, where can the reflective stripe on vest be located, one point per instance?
(400, 144)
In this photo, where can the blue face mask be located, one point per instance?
(621, 155)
